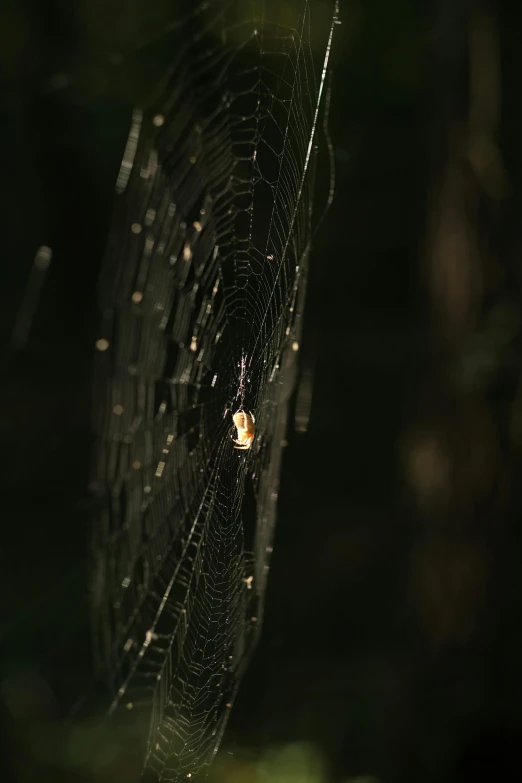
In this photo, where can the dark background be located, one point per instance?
(392, 641)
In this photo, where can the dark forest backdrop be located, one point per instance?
(392, 638)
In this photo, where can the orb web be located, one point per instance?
(201, 299)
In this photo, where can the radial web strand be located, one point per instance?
(201, 297)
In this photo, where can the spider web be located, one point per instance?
(201, 298)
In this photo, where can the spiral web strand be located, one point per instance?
(201, 298)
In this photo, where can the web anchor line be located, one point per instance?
(335, 20)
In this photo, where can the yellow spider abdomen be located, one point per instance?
(245, 424)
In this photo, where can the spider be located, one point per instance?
(245, 424)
